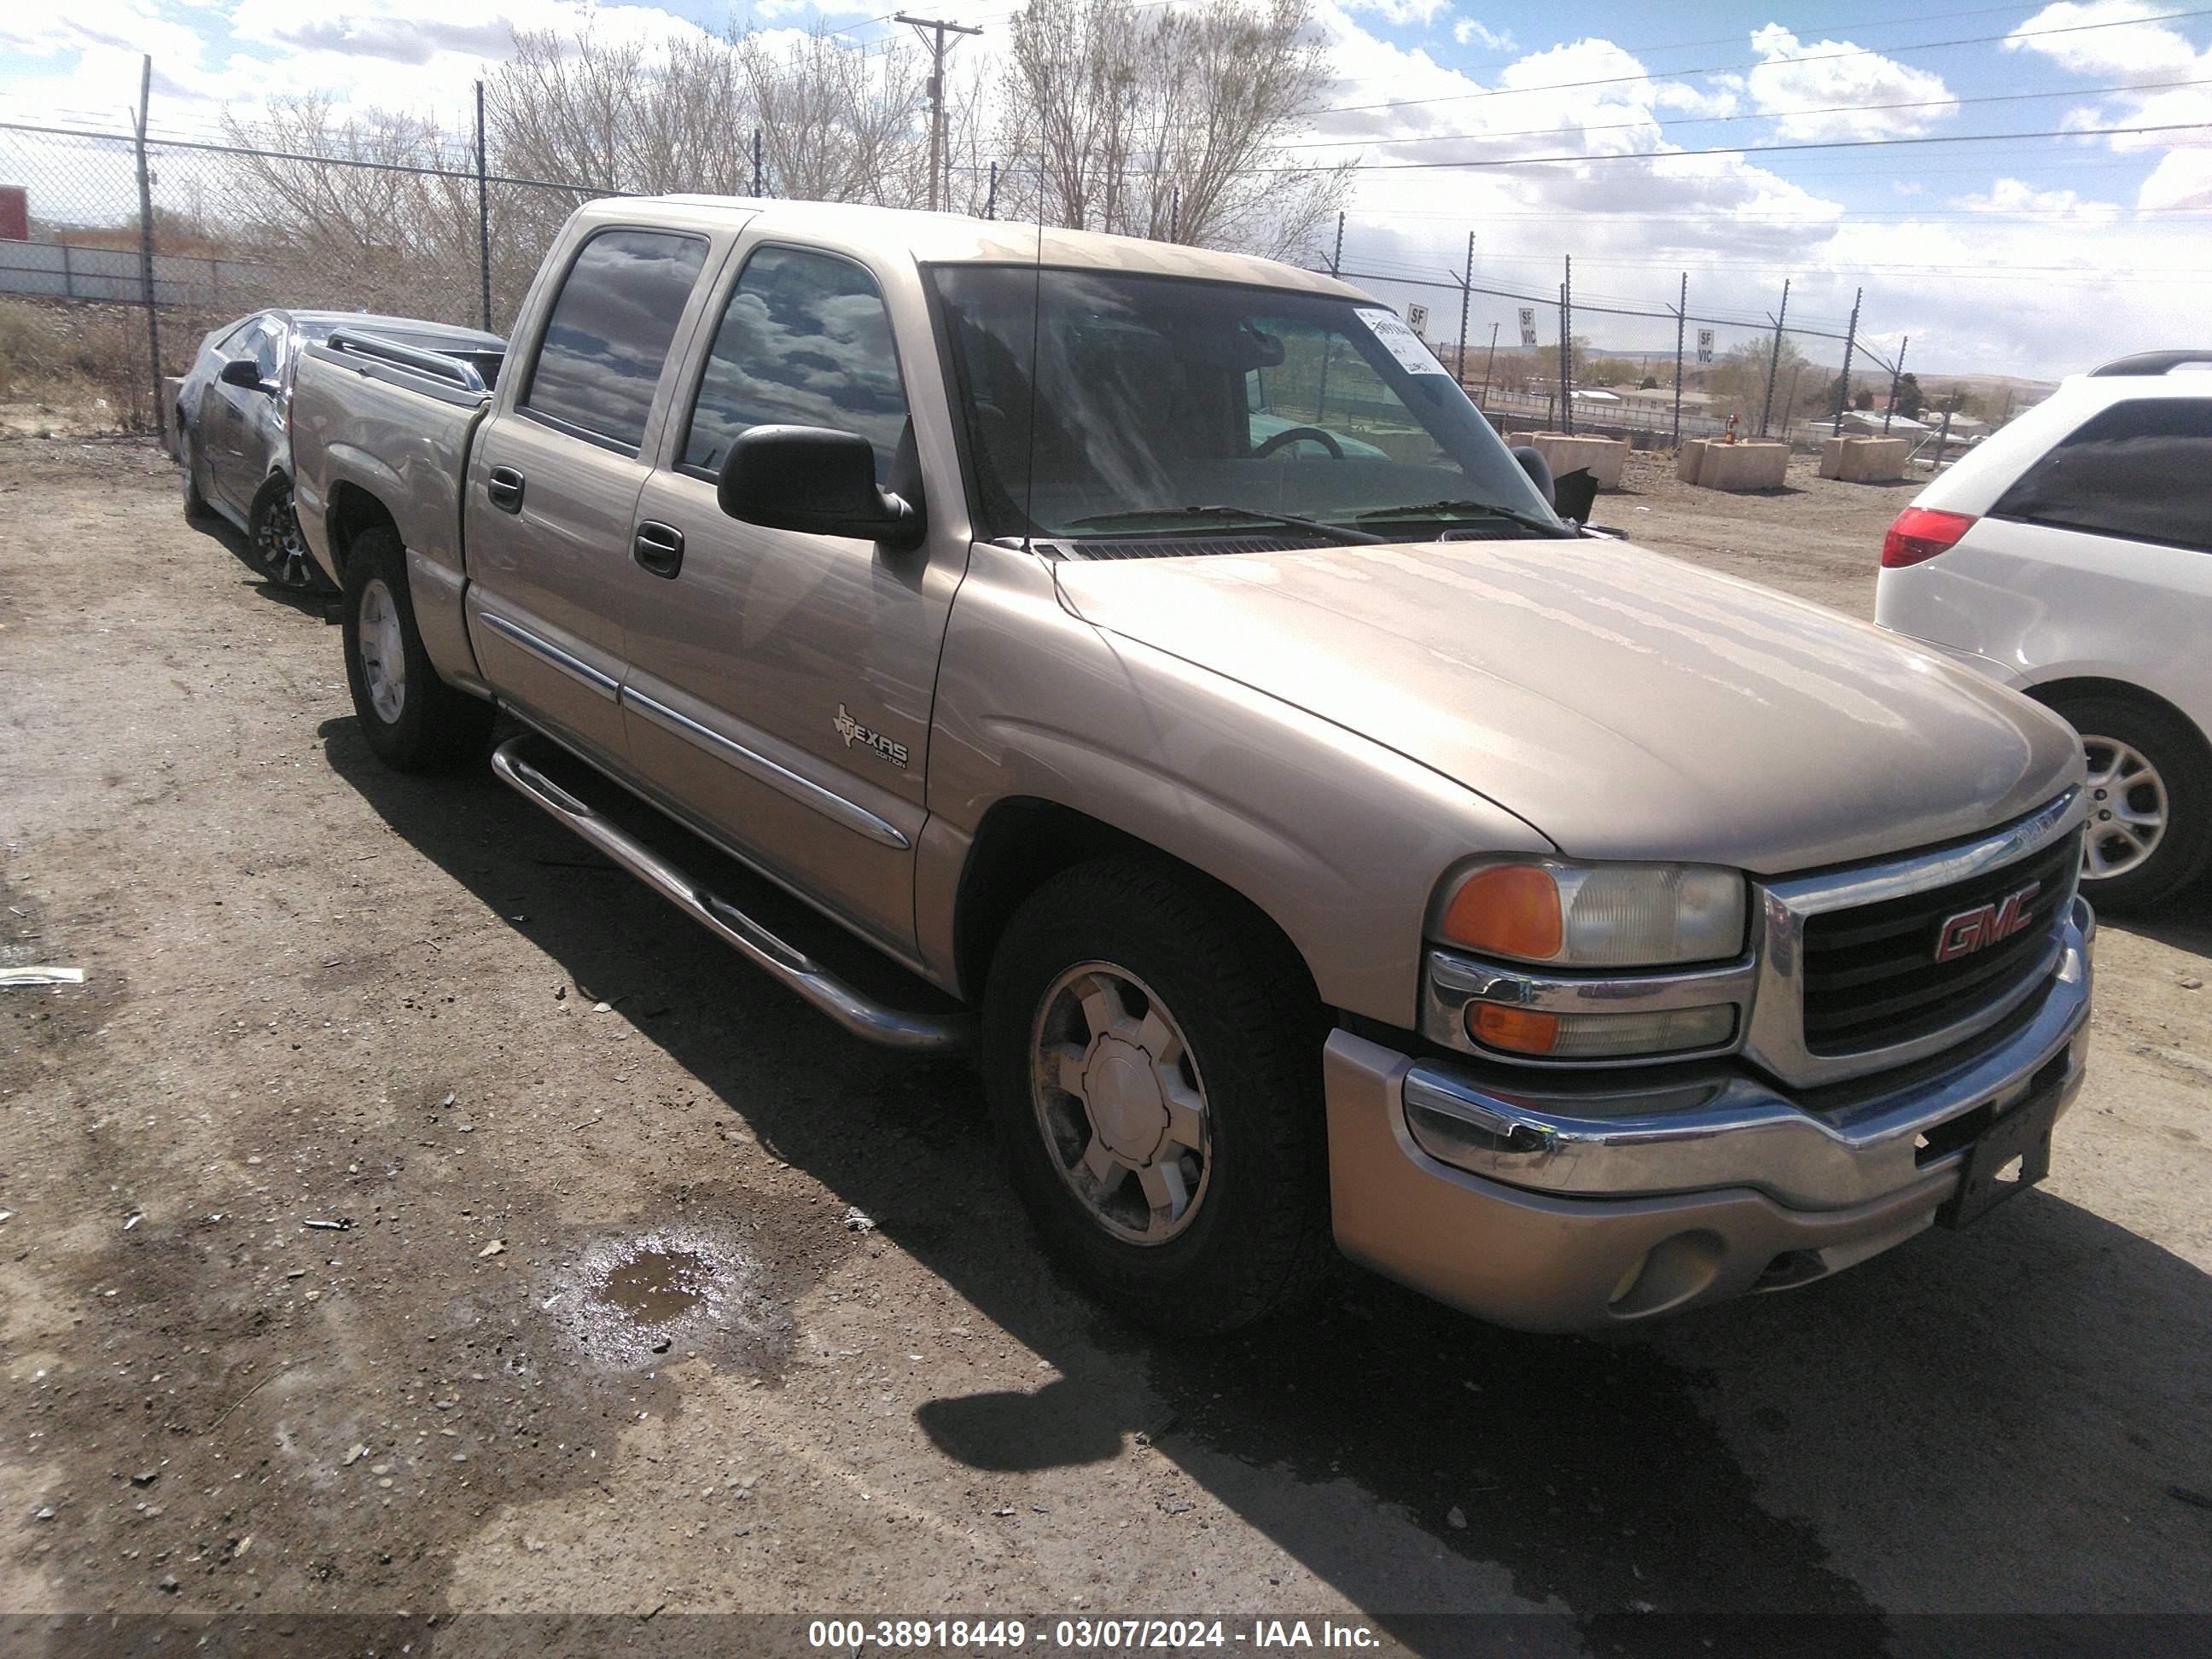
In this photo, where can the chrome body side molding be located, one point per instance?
(758, 767)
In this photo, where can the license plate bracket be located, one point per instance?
(2022, 1134)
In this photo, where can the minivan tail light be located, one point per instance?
(1921, 533)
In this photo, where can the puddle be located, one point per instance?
(642, 1300)
(655, 1286)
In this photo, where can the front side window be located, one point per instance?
(266, 347)
(609, 334)
(1165, 407)
(2141, 471)
(805, 341)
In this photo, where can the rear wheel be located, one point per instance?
(1154, 1069)
(188, 462)
(413, 720)
(2149, 832)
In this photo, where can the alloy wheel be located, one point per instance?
(2128, 808)
(283, 550)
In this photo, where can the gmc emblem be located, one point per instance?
(1975, 930)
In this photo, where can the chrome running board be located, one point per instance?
(861, 1015)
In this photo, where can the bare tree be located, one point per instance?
(1171, 123)
(616, 116)
(839, 125)
(364, 225)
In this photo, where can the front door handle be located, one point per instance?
(659, 548)
(504, 485)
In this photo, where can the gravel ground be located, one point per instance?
(643, 1290)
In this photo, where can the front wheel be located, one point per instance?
(2149, 832)
(413, 720)
(1154, 1069)
(278, 545)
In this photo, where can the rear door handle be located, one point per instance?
(504, 485)
(659, 548)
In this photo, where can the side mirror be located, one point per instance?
(1538, 471)
(812, 479)
(243, 372)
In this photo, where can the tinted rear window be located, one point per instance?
(610, 332)
(2141, 470)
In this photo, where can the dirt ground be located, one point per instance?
(640, 1290)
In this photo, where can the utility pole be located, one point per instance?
(1489, 366)
(1896, 379)
(1844, 380)
(991, 201)
(1466, 293)
(1681, 316)
(757, 180)
(937, 28)
(146, 232)
(1774, 360)
(1175, 215)
(1336, 259)
(484, 214)
(1567, 349)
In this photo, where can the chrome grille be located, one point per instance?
(1870, 975)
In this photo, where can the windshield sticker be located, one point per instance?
(1400, 342)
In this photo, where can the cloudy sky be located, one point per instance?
(2031, 256)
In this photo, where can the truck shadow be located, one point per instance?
(1912, 1412)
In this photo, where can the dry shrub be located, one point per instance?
(80, 356)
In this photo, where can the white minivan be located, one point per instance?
(2071, 557)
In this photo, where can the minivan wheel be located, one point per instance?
(413, 720)
(2149, 830)
(1154, 1079)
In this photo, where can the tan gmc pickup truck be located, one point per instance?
(1155, 658)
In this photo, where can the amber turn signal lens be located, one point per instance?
(1509, 910)
(1519, 1030)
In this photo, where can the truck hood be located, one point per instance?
(1626, 704)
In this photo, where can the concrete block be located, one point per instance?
(1873, 460)
(1754, 465)
(1687, 458)
(1832, 456)
(1605, 458)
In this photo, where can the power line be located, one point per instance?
(1766, 149)
(1767, 63)
(1752, 115)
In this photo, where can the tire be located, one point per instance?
(2146, 762)
(278, 547)
(413, 720)
(1232, 1037)
(188, 461)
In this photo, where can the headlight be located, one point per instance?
(1597, 915)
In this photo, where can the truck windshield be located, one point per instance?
(1169, 407)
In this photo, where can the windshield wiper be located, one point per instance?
(1477, 509)
(1336, 532)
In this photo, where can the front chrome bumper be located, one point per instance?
(1590, 1203)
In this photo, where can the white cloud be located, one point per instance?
(1423, 12)
(2012, 196)
(1794, 74)
(1473, 32)
(2182, 180)
(2147, 51)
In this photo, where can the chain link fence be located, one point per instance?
(433, 232)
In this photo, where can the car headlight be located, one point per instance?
(1597, 915)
